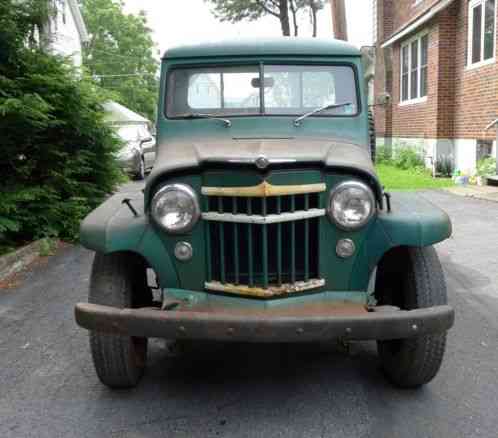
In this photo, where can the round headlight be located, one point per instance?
(175, 207)
(351, 205)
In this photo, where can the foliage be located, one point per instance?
(444, 165)
(284, 10)
(122, 54)
(47, 247)
(383, 155)
(394, 178)
(57, 158)
(407, 158)
(486, 167)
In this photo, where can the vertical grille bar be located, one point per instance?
(250, 261)
(236, 242)
(293, 241)
(209, 272)
(306, 240)
(279, 243)
(222, 242)
(265, 246)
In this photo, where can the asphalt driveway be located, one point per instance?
(48, 387)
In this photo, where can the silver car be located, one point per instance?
(138, 153)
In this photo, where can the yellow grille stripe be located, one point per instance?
(264, 190)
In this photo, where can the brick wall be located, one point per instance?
(460, 101)
(476, 90)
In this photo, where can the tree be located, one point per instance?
(121, 54)
(57, 160)
(234, 11)
(314, 6)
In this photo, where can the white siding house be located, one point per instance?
(67, 32)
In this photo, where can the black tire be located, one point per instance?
(118, 280)
(411, 278)
(371, 135)
(140, 175)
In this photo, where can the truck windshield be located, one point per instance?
(290, 90)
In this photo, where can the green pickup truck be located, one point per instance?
(264, 219)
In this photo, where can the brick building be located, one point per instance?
(436, 83)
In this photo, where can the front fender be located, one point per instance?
(412, 221)
(113, 227)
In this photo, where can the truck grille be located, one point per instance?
(263, 245)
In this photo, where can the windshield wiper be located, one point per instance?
(329, 106)
(227, 122)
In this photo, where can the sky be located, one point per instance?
(175, 22)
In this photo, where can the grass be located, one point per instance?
(397, 179)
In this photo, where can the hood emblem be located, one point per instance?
(262, 162)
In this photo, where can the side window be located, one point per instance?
(482, 30)
(414, 68)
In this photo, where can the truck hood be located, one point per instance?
(183, 155)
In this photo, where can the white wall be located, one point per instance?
(462, 151)
(65, 39)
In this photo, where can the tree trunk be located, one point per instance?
(294, 17)
(313, 19)
(284, 17)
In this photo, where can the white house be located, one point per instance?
(66, 31)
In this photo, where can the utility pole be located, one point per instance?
(339, 22)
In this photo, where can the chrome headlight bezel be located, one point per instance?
(185, 189)
(345, 186)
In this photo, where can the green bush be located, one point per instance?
(57, 160)
(444, 166)
(407, 158)
(486, 167)
(383, 155)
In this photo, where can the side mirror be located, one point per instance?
(145, 140)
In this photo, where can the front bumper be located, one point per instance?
(265, 325)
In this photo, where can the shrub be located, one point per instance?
(408, 158)
(383, 155)
(486, 167)
(444, 166)
(57, 160)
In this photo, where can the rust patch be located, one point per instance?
(269, 292)
(264, 190)
(317, 308)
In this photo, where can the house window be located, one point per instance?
(482, 25)
(414, 68)
(484, 149)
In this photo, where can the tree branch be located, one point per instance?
(263, 6)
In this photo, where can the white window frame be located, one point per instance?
(470, 26)
(408, 43)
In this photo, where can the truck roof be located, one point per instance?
(284, 46)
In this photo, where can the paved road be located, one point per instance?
(48, 387)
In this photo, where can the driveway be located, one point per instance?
(48, 387)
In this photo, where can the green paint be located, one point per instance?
(113, 228)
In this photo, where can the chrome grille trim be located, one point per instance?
(263, 220)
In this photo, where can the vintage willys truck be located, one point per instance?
(264, 219)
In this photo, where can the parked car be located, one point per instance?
(137, 155)
(265, 221)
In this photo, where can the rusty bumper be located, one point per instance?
(219, 326)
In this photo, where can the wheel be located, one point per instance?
(411, 278)
(118, 280)
(372, 135)
(140, 175)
